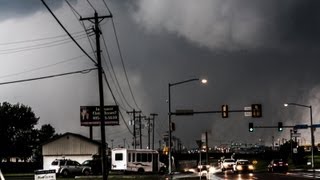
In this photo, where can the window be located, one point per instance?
(144, 157)
(129, 157)
(119, 157)
(149, 157)
(133, 157)
(139, 158)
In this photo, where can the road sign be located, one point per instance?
(301, 126)
(90, 115)
(247, 111)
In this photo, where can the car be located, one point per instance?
(227, 164)
(278, 165)
(95, 164)
(68, 167)
(243, 165)
(203, 166)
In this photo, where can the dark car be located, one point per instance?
(278, 165)
(242, 166)
(95, 164)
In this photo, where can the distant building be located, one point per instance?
(69, 146)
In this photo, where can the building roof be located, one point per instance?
(72, 134)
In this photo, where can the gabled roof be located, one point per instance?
(72, 134)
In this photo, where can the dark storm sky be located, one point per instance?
(250, 51)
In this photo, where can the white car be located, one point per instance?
(227, 164)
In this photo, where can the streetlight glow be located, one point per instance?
(204, 81)
(285, 105)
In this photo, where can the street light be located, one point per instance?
(311, 127)
(204, 81)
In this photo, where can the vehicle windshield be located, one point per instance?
(243, 162)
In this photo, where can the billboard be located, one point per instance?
(90, 115)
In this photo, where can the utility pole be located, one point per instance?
(133, 112)
(140, 134)
(148, 119)
(207, 148)
(153, 128)
(96, 20)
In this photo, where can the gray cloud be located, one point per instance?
(227, 24)
(22, 8)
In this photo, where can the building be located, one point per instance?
(69, 146)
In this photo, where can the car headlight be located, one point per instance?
(239, 168)
(251, 167)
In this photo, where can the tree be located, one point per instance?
(44, 134)
(16, 130)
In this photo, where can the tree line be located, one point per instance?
(18, 136)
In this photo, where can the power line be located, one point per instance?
(68, 32)
(51, 76)
(74, 11)
(38, 39)
(91, 5)
(121, 57)
(115, 86)
(116, 102)
(114, 74)
(42, 67)
(36, 47)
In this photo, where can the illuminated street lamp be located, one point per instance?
(311, 127)
(204, 81)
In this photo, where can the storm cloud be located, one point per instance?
(233, 25)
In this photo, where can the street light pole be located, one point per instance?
(311, 128)
(169, 115)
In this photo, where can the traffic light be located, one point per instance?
(224, 110)
(173, 126)
(256, 110)
(280, 126)
(251, 127)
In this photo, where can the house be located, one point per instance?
(69, 146)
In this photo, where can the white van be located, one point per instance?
(136, 160)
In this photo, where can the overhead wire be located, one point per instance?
(75, 11)
(42, 67)
(62, 26)
(114, 74)
(37, 46)
(115, 86)
(85, 71)
(105, 77)
(38, 39)
(121, 58)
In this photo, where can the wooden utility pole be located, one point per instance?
(133, 112)
(153, 128)
(96, 20)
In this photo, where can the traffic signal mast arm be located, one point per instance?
(191, 112)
